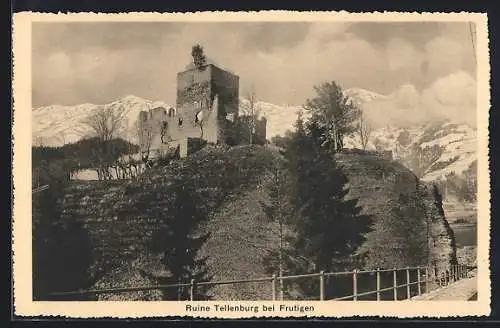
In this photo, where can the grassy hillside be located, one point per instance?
(229, 186)
(118, 219)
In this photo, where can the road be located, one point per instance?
(463, 290)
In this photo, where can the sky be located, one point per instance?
(427, 65)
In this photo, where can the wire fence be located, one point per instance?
(357, 285)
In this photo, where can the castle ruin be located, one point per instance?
(206, 110)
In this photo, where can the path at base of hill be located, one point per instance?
(462, 290)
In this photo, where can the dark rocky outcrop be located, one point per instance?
(393, 195)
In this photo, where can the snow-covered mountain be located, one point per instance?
(432, 150)
(57, 125)
(281, 118)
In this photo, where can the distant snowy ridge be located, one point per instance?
(455, 143)
(56, 125)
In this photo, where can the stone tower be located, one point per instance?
(209, 97)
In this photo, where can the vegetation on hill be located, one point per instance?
(61, 249)
(229, 187)
(254, 210)
(329, 227)
(58, 163)
(334, 113)
(183, 196)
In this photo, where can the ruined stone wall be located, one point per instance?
(226, 86)
(198, 89)
(385, 154)
(261, 130)
(259, 134)
(211, 90)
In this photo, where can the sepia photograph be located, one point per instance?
(252, 166)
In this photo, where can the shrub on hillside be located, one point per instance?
(182, 195)
(61, 249)
(329, 228)
(399, 240)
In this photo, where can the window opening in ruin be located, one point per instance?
(180, 121)
(198, 116)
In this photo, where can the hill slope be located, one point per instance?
(230, 184)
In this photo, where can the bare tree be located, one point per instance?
(164, 132)
(105, 124)
(364, 130)
(250, 114)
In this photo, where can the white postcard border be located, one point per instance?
(21, 243)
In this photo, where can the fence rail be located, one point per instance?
(38, 189)
(423, 282)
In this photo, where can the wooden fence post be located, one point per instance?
(426, 279)
(322, 285)
(395, 284)
(354, 285)
(191, 290)
(378, 284)
(408, 291)
(419, 289)
(274, 287)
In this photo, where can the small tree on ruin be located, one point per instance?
(199, 59)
